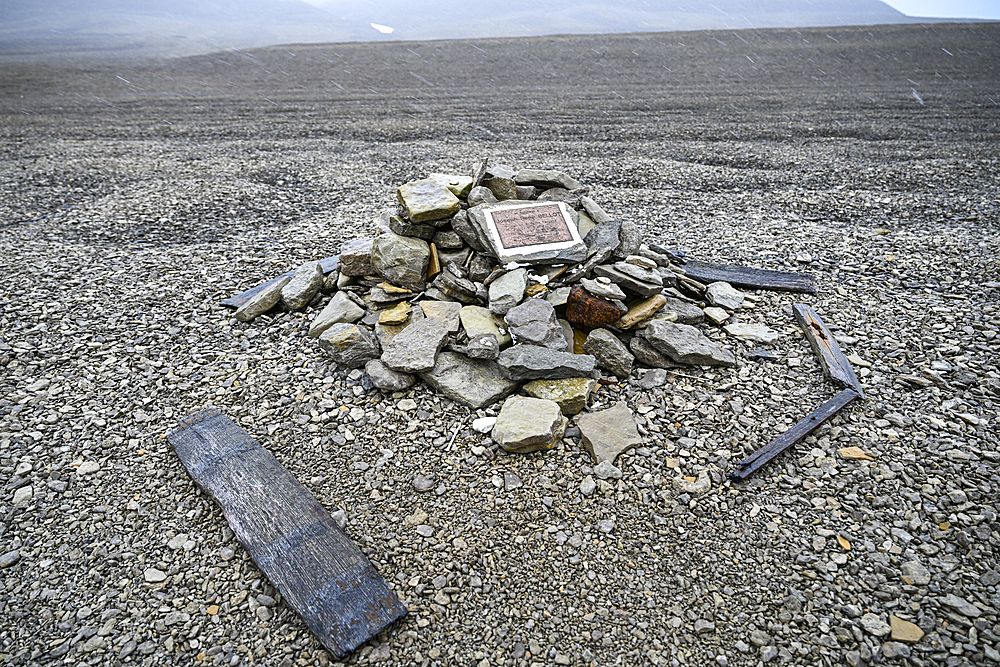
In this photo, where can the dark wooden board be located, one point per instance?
(771, 450)
(835, 365)
(290, 536)
(749, 278)
(328, 264)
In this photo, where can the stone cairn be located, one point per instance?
(480, 304)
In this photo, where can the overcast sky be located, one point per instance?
(966, 9)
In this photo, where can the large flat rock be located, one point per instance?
(473, 382)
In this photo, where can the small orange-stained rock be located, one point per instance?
(534, 290)
(641, 310)
(213, 610)
(844, 543)
(579, 338)
(855, 454)
(588, 311)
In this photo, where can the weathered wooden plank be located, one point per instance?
(328, 264)
(750, 278)
(321, 574)
(771, 450)
(835, 365)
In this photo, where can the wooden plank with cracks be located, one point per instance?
(328, 264)
(835, 365)
(290, 536)
(771, 450)
(747, 277)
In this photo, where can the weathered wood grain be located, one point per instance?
(321, 574)
(768, 452)
(749, 278)
(328, 264)
(835, 365)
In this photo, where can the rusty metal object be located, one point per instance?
(588, 311)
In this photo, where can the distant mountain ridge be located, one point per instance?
(185, 27)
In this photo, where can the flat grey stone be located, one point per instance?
(480, 195)
(758, 333)
(648, 355)
(427, 200)
(305, 283)
(687, 313)
(472, 382)
(340, 309)
(532, 362)
(686, 345)
(387, 379)
(350, 345)
(416, 347)
(401, 260)
(545, 178)
(611, 353)
(602, 288)
(626, 281)
(477, 320)
(356, 258)
(874, 625)
(448, 239)
(461, 225)
(534, 323)
(594, 210)
(653, 378)
(444, 311)
(607, 470)
(630, 238)
(457, 183)
(639, 273)
(415, 229)
(507, 291)
(920, 575)
(263, 301)
(386, 332)
(603, 240)
(724, 295)
(10, 559)
(483, 346)
(528, 424)
(608, 433)
(961, 605)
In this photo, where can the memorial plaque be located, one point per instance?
(534, 233)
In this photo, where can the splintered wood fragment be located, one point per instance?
(321, 574)
(328, 264)
(771, 450)
(835, 365)
(747, 277)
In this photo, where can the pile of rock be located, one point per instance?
(506, 280)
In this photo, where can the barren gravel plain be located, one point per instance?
(136, 195)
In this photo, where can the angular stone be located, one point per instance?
(594, 210)
(583, 223)
(641, 311)
(873, 624)
(386, 332)
(724, 295)
(602, 288)
(477, 320)
(603, 239)
(304, 285)
(545, 178)
(629, 238)
(559, 296)
(759, 333)
(507, 291)
(895, 650)
(341, 309)
(10, 559)
(961, 605)
(387, 379)
(415, 349)
(716, 315)
(560, 194)
(626, 281)
(471, 382)
(652, 378)
(461, 225)
(571, 394)
(687, 313)
(396, 315)
(444, 311)
(480, 195)
(23, 496)
(588, 311)
(356, 258)
(500, 181)
(483, 346)
(459, 185)
(480, 267)
(448, 239)
(263, 301)
(401, 260)
(687, 345)
(904, 631)
(639, 273)
(426, 200)
(917, 573)
(349, 345)
(534, 323)
(567, 329)
(608, 433)
(611, 353)
(528, 424)
(414, 229)
(531, 362)
(701, 484)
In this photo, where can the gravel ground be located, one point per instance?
(137, 195)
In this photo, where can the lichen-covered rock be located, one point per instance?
(571, 394)
(341, 309)
(401, 260)
(426, 200)
(350, 345)
(356, 258)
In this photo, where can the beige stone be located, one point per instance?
(477, 320)
(904, 631)
(641, 311)
(570, 394)
(528, 424)
(396, 315)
